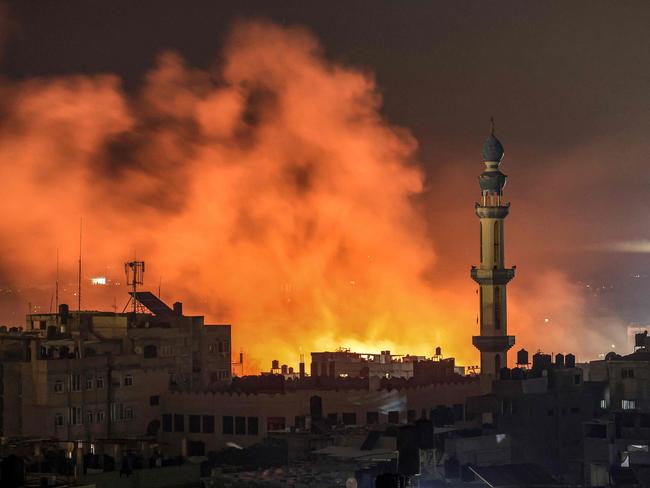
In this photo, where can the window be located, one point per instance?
(154, 400)
(128, 380)
(393, 417)
(75, 382)
(150, 351)
(275, 423)
(208, 424)
(497, 238)
(194, 423)
(74, 415)
(603, 404)
(372, 418)
(240, 425)
(166, 351)
(89, 382)
(179, 423)
(99, 382)
(497, 308)
(300, 422)
(228, 426)
(58, 419)
(575, 410)
(253, 426)
(89, 416)
(100, 417)
(167, 422)
(128, 413)
(117, 412)
(627, 373)
(576, 379)
(58, 386)
(349, 418)
(224, 374)
(628, 404)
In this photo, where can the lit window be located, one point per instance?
(89, 417)
(628, 404)
(100, 416)
(58, 386)
(128, 380)
(603, 404)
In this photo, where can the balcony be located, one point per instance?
(493, 343)
(492, 276)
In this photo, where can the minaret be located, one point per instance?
(492, 275)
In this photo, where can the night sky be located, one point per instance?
(567, 84)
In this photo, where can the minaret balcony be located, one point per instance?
(492, 276)
(493, 343)
(492, 211)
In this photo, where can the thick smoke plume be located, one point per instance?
(269, 193)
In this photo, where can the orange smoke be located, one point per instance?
(269, 193)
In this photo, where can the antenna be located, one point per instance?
(159, 285)
(56, 287)
(79, 276)
(134, 276)
(492, 123)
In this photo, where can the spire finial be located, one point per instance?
(492, 124)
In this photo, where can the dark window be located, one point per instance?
(179, 423)
(194, 423)
(459, 411)
(275, 423)
(253, 426)
(410, 416)
(627, 373)
(575, 410)
(333, 418)
(208, 424)
(393, 417)
(372, 418)
(497, 309)
(150, 351)
(167, 422)
(154, 400)
(496, 242)
(240, 425)
(481, 239)
(228, 426)
(576, 379)
(300, 422)
(349, 418)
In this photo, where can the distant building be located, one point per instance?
(344, 363)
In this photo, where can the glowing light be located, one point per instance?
(99, 280)
(546, 321)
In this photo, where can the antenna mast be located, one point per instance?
(79, 275)
(134, 277)
(56, 287)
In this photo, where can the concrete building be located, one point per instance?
(491, 275)
(86, 376)
(200, 421)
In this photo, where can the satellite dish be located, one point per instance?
(351, 483)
